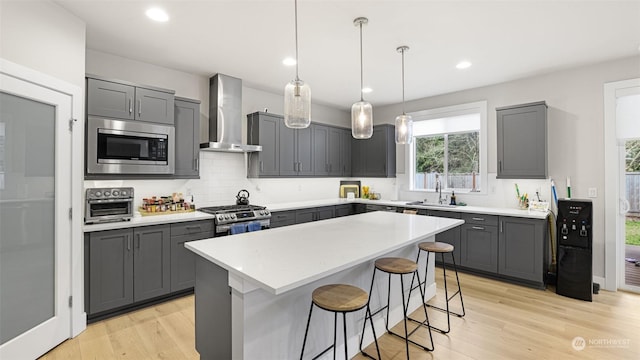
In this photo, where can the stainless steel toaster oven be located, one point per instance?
(108, 205)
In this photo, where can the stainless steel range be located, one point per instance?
(238, 218)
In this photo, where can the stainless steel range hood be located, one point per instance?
(225, 116)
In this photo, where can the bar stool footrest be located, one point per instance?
(444, 310)
(411, 341)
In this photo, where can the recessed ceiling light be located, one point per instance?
(289, 61)
(367, 90)
(463, 64)
(157, 14)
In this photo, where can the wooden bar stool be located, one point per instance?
(400, 266)
(440, 248)
(340, 298)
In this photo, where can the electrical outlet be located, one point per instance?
(593, 192)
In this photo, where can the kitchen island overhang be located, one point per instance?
(270, 276)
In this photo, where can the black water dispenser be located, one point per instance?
(575, 250)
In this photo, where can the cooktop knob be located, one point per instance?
(266, 212)
(107, 193)
(115, 192)
(233, 216)
(124, 193)
(98, 193)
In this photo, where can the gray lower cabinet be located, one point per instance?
(183, 271)
(123, 100)
(127, 265)
(522, 248)
(451, 236)
(187, 123)
(110, 270)
(344, 210)
(283, 218)
(264, 129)
(375, 157)
(315, 214)
(479, 242)
(522, 141)
(124, 267)
(151, 259)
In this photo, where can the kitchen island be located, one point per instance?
(253, 290)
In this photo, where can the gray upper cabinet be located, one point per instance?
(320, 149)
(522, 248)
(327, 141)
(375, 157)
(187, 122)
(522, 141)
(126, 101)
(316, 151)
(264, 129)
(345, 152)
(152, 256)
(295, 151)
(109, 99)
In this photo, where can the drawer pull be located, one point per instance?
(197, 228)
(477, 219)
(477, 227)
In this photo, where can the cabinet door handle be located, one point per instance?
(500, 226)
(139, 107)
(128, 243)
(477, 228)
(138, 238)
(261, 166)
(197, 164)
(198, 228)
(500, 165)
(477, 219)
(130, 105)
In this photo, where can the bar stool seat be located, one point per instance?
(436, 247)
(395, 265)
(400, 266)
(339, 298)
(441, 248)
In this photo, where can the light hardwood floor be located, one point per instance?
(503, 321)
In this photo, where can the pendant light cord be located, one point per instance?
(296, 32)
(361, 71)
(403, 113)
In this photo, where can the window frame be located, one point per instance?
(478, 107)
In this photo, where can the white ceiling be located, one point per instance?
(504, 40)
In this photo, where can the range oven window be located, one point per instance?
(125, 145)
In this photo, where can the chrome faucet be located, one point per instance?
(439, 189)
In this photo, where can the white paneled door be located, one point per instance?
(35, 226)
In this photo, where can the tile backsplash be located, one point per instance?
(222, 175)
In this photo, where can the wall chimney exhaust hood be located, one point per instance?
(225, 116)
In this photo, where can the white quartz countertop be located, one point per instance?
(282, 259)
(403, 203)
(149, 220)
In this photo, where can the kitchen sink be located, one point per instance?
(422, 203)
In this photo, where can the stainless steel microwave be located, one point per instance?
(129, 147)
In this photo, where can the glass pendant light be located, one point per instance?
(297, 95)
(404, 123)
(361, 111)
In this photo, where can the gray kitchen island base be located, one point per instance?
(253, 289)
(255, 324)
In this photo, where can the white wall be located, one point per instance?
(575, 133)
(44, 37)
(222, 175)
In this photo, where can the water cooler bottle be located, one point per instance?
(575, 250)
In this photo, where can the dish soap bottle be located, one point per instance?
(453, 198)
